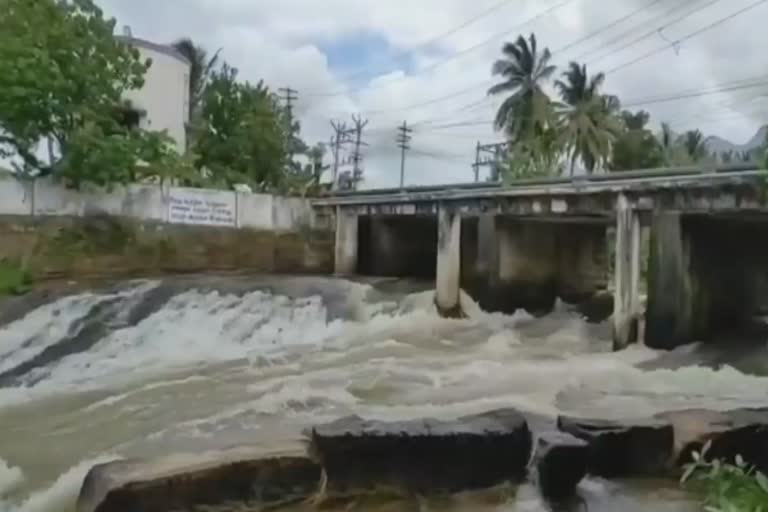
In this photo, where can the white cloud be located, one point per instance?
(280, 42)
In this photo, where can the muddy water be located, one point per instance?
(149, 368)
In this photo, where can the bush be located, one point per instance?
(728, 487)
(14, 279)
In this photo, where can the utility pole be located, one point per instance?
(476, 165)
(357, 173)
(496, 152)
(288, 96)
(403, 138)
(341, 137)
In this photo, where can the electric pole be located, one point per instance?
(340, 138)
(496, 152)
(288, 96)
(403, 138)
(476, 165)
(357, 172)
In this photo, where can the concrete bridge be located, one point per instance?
(702, 232)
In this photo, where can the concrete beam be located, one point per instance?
(626, 304)
(346, 242)
(448, 278)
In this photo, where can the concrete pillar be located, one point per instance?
(346, 242)
(527, 265)
(385, 260)
(448, 262)
(487, 258)
(626, 302)
(669, 316)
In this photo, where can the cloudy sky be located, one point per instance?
(428, 62)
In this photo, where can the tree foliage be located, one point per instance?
(636, 147)
(527, 111)
(590, 125)
(62, 77)
(242, 140)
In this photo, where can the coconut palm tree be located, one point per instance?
(590, 121)
(693, 142)
(523, 69)
(726, 157)
(201, 68)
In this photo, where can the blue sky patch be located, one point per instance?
(360, 57)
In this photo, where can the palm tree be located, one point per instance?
(527, 110)
(693, 142)
(201, 68)
(591, 123)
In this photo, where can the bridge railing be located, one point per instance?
(664, 172)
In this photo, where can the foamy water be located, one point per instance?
(214, 365)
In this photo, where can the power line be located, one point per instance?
(432, 40)
(403, 139)
(661, 17)
(488, 82)
(689, 36)
(725, 87)
(451, 57)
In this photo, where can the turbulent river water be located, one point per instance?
(147, 368)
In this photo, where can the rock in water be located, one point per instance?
(561, 463)
(740, 432)
(185, 482)
(423, 455)
(623, 449)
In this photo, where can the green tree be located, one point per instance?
(200, 70)
(636, 147)
(62, 78)
(666, 139)
(527, 110)
(533, 157)
(316, 155)
(590, 125)
(693, 143)
(243, 139)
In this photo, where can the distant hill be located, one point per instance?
(718, 145)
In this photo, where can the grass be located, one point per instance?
(727, 487)
(14, 279)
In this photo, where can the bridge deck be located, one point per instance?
(726, 190)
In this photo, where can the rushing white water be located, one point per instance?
(134, 372)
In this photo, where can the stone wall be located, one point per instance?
(150, 229)
(65, 247)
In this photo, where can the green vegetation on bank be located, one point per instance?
(727, 487)
(15, 279)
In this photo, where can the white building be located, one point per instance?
(163, 101)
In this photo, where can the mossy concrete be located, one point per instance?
(63, 247)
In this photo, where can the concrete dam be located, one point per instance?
(693, 239)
